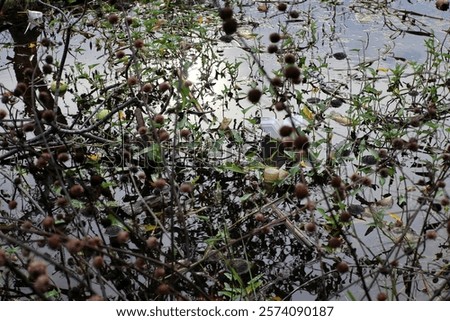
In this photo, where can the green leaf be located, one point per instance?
(369, 230)
(351, 296)
(245, 110)
(114, 221)
(111, 204)
(253, 286)
(52, 294)
(234, 168)
(77, 204)
(401, 200)
(12, 250)
(237, 137)
(251, 121)
(153, 152)
(245, 197)
(256, 166)
(107, 184)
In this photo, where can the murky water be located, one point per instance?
(344, 48)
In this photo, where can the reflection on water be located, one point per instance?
(349, 52)
(370, 33)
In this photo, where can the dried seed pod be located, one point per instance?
(98, 262)
(12, 204)
(74, 245)
(3, 113)
(54, 241)
(334, 242)
(301, 142)
(282, 6)
(186, 188)
(37, 268)
(152, 242)
(254, 95)
(185, 133)
(272, 49)
(48, 115)
(113, 18)
(230, 26)
(310, 227)
(336, 181)
(226, 13)
(158, 118)
(139, 43)
(301, 190)
(289, 58)
(42, 283)
(76, 191)
(160, 183)
(274, 37)
(294, 14)
(286, 131)
(48, 222)
(442, 5)
(342, 267)
(292, 72)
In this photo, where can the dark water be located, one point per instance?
(345, 48)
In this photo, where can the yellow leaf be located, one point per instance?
(383, 69)
(345, 121)
(94, 157)
(200, 19)
(308, 113)
(150, 227)
(121, 115)
(31, 45)
(395, 216)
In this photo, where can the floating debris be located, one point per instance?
(356, 210)
(113, 230)
(340, 55)
(386, 202)
(241, 266)
(225, 123)
(368, 160)
(343, 120)
(442, 5)
(337, 102)
(313, 100)
(272, 126)
(35, 19)
(263, 8)
(271, 174)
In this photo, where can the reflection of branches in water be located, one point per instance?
(220, 213)
(397, 20)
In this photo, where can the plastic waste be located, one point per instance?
(35, 19)
(297, 120)
(272, 126)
